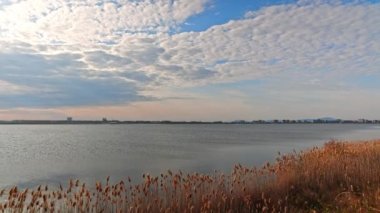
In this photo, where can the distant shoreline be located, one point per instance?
(281, 122)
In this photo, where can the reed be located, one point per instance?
(338, 177)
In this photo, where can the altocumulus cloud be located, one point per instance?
(75, 53)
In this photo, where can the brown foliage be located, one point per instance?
(339, 177)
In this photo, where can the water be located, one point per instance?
(51, 154)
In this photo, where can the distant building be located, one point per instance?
(104, 120)
(69, 119)
(239, 122)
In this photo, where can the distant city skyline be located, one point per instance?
(104, 120)
(204, 60)
(242, 122)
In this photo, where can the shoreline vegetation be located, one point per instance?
(338, 177)
(275, 121)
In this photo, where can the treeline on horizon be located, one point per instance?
(275, 121)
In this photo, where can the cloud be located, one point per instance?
(312, 38)
(13, 89)
(37, 80)
(104, 61)
(91, 22)
(74, 53)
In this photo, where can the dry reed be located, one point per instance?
(339, 177)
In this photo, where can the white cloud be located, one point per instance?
(90, 22)
(312, 38)
(134, 44)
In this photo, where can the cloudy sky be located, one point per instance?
(189, 59)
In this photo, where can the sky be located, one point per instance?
(189, 59)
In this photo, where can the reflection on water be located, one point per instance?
(34, 154)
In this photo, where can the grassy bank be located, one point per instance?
(339, 177)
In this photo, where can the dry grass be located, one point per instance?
(339, 177)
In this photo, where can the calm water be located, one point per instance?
(35, 154)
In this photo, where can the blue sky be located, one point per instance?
(220, 12)
(189, 60)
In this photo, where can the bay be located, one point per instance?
(52, 154)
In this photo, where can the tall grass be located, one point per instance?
(339, 177)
